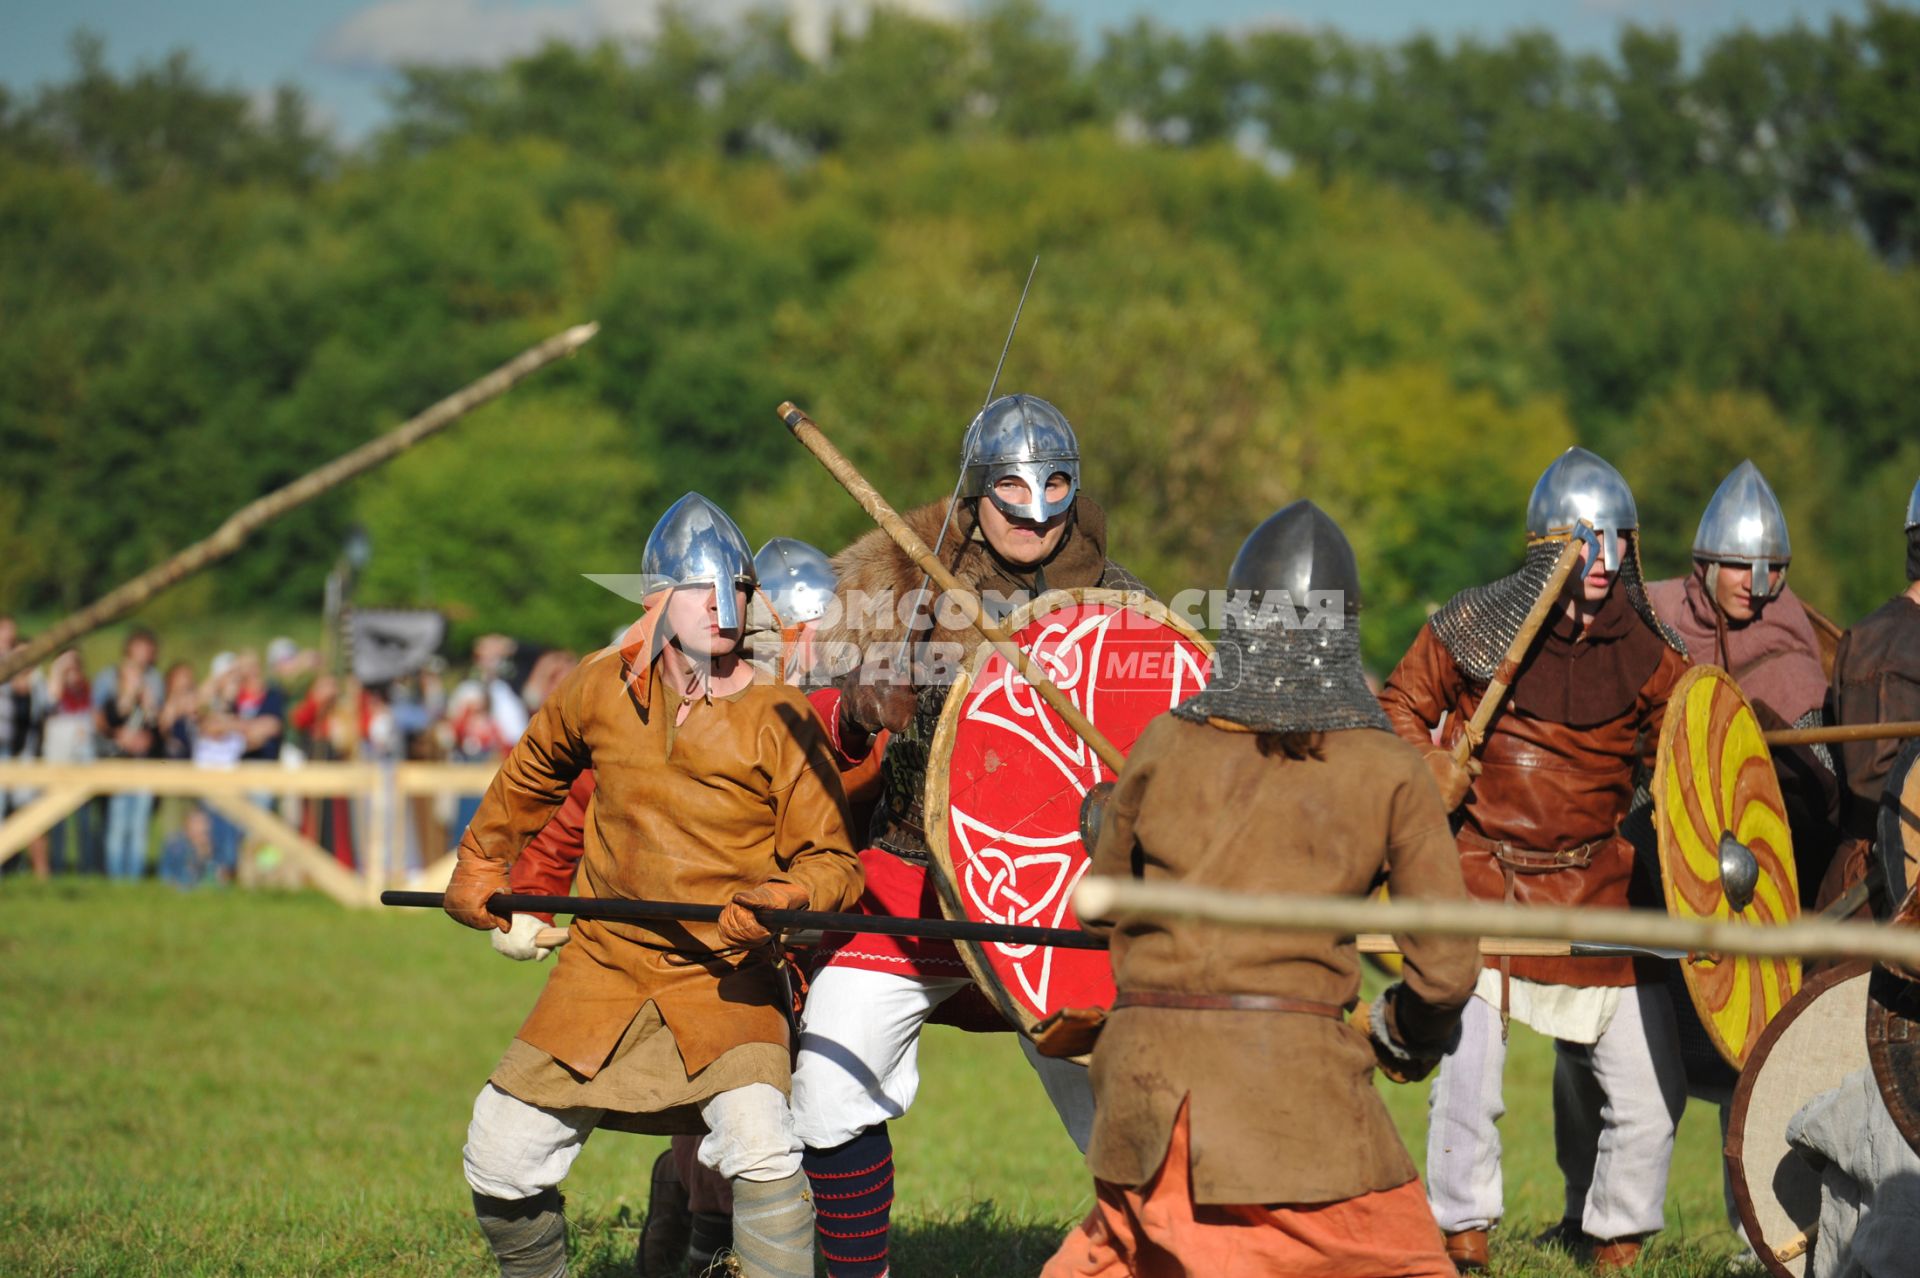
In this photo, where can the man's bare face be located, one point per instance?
(1024, 542)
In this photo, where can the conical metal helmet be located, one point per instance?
(797, 578)
(1913, 507)
(1025, 437)
(1744, 524)
(1581, 485)
(1301, 550)
(695, 543)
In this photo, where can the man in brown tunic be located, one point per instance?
(1540, 825)
(715, 783)
(1281, 776)
(1876, 679)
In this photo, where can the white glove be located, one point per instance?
(517, 941)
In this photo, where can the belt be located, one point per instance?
(1227, 1003)
(1517, 861)
(1535, 860)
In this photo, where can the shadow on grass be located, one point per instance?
(981, 1239)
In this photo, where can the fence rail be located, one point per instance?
(61, 788)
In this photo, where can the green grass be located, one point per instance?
(263, 1084)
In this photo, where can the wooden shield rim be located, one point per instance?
(938, 796)
(1894, 829)
(1673, 725)
(1735, 1152)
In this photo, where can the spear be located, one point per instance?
(874, 504)
(507, 904)
(244, 522)
(1106, 898)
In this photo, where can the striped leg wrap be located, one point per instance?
(853, 1200)
(773, 1228)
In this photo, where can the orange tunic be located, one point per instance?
(743, 792)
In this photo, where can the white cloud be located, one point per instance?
(390, 33)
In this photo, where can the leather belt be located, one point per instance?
(1534, 860)
(1227, 1003)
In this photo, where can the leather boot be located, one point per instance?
(669, 1226)
(1612, 1257)
(1468, 1250)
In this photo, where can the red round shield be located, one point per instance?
(1006, 777)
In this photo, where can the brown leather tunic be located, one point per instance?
(1545, 786)
(745, 791)
(1876, 679)
(1282, 1107)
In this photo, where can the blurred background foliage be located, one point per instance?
(1394, 278)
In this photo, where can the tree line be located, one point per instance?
(1397, 278)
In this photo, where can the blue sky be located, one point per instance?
(337, 49)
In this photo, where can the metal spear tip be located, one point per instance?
(1739, 872)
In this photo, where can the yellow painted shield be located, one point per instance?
(1714, 778)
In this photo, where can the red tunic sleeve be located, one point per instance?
(546, 867)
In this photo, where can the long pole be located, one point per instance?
(874, 504)
(244, 522)
(581, 907)
(625, 911)
(1843, 732)
(1106, 898)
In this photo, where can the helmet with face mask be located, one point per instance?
(797, 578)
(1580, 485)
(1021, 437)
(1477, 625)
(1744, 524)
(695, 544)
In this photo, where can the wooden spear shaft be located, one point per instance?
(1509, 668)
(1843, 732)
(874, 504)
(1107, 898)
(244, 522)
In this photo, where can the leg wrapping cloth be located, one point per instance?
(528, 1235)
(773, 1227)
(853, 1201)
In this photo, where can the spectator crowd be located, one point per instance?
(285, 705)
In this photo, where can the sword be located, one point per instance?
(506, 904)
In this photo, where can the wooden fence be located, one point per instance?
(381, 792)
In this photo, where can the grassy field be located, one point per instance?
(258, 1084)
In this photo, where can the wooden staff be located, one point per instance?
(1105, 898)
(1509, 668)
(874, 504)
(244, 522)
(1844, 732)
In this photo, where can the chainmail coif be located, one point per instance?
(1478, 625)
(1273, 677)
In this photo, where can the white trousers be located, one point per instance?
(1616, 1105)
(516, 1150)
(859, 1059)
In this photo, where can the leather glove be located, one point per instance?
(475, 880)
(1452, 776)
(738, 926)
(870, 707)
(1393, 1060)
(519, 940)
